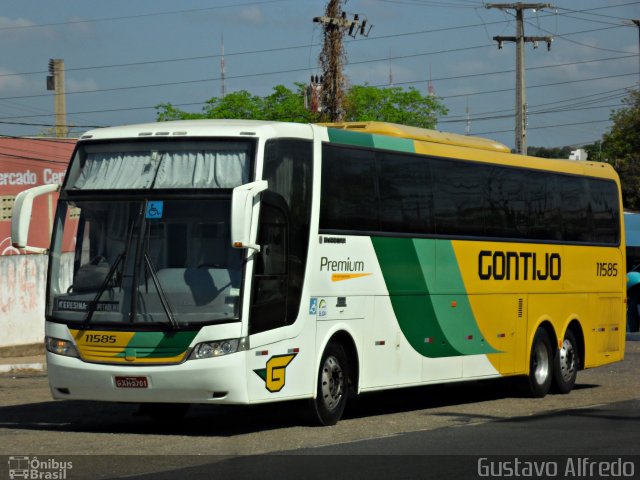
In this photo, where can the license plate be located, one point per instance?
(132, 382)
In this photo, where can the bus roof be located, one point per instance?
(422, 134)
(200, 128)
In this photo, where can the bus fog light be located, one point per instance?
(60, 347)
(216, 349)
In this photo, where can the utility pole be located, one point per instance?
(467, 127)
(332, 57)
(55, 81)
(223, 90)
(520, 40)
(636, 22)
(430, 90)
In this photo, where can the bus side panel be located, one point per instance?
(503, 319)
(388, 358)
(281, 362)
(604, 337)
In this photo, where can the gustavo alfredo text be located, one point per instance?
(569, 467)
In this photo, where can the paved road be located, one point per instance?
(601, 416)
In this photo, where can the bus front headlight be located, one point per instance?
(60, 347)
(218, 348)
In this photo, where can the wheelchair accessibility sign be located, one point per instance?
(154, 210)
(318, 307)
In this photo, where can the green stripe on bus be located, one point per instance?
(430, 322)
(394, 143)
(410, 297)
(160, 344)
(348, 137)
(458, 322)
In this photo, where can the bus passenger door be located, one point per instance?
(276, 363)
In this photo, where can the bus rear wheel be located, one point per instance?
(540, 365)
(565, 366)
(332, 385)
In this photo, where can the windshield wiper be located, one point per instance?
(93, 305)
(163, 297)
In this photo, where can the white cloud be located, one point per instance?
(10, 82)
(79, 25)
(251, 15)
(11, 23)
(75, 85)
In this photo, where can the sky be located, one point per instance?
(124, 57)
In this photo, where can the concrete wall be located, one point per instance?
(22, 297)
(22, 292)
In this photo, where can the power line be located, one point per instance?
(546, 126)
(277, 49)
(267, 73)
(40, 139)
(570, 102)
(48, 124)
(587, 12)
(142, 15)
(13, 149)
(249, 75)
(529, 114)
(249, 52)
(10, 156)
(563, 37)
(510, 89)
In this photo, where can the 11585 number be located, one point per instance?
(606, 269)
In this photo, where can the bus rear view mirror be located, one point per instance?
(243, 229)
(21, 216)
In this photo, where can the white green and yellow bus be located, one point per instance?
(241, 262)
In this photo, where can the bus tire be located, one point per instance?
(565, 365)
(332, 385)
(540, 365)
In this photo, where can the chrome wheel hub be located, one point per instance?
(567, 360)
(332, 383)
(541, 364)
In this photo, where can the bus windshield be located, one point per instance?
(145, 261)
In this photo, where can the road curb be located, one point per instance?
(19, 367)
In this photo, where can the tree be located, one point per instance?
(362, 103)
(553, 152)
(621, 148)
(393, 104)
(282, 105)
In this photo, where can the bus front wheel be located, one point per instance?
(565, 366)
(332, 385)
(540, 365)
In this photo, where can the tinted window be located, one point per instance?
(507, 213)
(405, 194)
(268, 306)
(460, 192)
(288, 167)
(574, 195)
(349, 189)
(605, 209)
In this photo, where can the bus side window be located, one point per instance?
(269, 303)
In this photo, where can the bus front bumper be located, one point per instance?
(215, 380)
